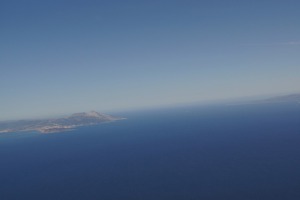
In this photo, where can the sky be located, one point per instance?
(59, 56)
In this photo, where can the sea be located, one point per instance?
(215, 152)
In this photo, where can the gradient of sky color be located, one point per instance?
(60, 56)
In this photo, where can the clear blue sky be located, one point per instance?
(67, 56)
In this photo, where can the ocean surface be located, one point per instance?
(234, 152)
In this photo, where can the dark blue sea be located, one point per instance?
(232, 152)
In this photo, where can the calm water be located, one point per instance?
(246, 152)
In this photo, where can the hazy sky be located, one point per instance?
(68, 56)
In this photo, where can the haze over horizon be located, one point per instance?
(69, 56)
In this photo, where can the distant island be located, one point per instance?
(57, 124)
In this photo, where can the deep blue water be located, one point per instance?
(245, 152)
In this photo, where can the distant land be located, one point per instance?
(290, 98)
(54, 125)
(284, 98)
(57, 124)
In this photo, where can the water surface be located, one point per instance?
(217, 152)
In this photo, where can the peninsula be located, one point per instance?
(55, 125)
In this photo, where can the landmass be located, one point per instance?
(290, 99)
(55, 125)
(285, 98)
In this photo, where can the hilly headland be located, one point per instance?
(55, 125)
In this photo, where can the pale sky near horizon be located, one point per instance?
(61, 56)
